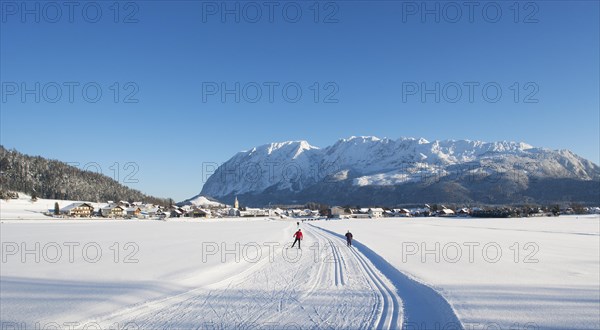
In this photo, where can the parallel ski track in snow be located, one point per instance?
(423, 307)
(338, 287)
(387, 311)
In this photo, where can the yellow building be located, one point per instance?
(78, 210)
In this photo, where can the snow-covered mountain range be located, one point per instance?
(360, 170)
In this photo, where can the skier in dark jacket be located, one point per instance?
(298, 235)
(348, 238)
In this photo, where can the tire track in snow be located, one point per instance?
(423, 307)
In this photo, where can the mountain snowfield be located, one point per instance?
(298, 170)
(422, 273)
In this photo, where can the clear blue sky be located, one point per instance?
(373, 54)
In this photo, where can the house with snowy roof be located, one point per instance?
(445, 212)
(197, 212)
(233, 212)
(78, 210)
(339, 212)
(362, 213)
(133, 211)
(149, 210)
(401, 212)
(112, 211)
(464, 212)
(375, 212)
(254, 212)
(176, 213)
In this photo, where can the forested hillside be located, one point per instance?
(53, 179)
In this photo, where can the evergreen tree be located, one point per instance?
(56, 209)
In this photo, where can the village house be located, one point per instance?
(362, 213)
(375, 212)
(233, 212)
(338, 212)
(402, 212)
(133, 211)
(149, 210)
(254, 212)
(312, 213)
(112, 211)
(389, 214)
(186, 210)
(420, 212)
(162, 214)
(277, 211)
(199, 213)
(464, 212)
(176, 213)
(406, 212)
(78, 210)
(445, 212)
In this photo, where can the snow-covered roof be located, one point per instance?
(74, 205)
(110, 207)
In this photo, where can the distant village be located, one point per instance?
(140, 210)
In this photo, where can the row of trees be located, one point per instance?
(484, 212)
(52, 179)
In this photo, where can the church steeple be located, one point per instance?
(236, 204)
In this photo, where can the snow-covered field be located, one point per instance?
(24, 209)
(240, 274)
(503, 273)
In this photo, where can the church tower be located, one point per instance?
(236, 204)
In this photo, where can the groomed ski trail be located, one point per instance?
(423, 307)
(326, 285)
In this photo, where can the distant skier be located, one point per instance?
(348, 238)
(298, 236)
(298, 223)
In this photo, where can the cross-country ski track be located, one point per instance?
(327, 286)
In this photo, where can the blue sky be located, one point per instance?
(364, 58)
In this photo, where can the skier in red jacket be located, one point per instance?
(298, 236)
